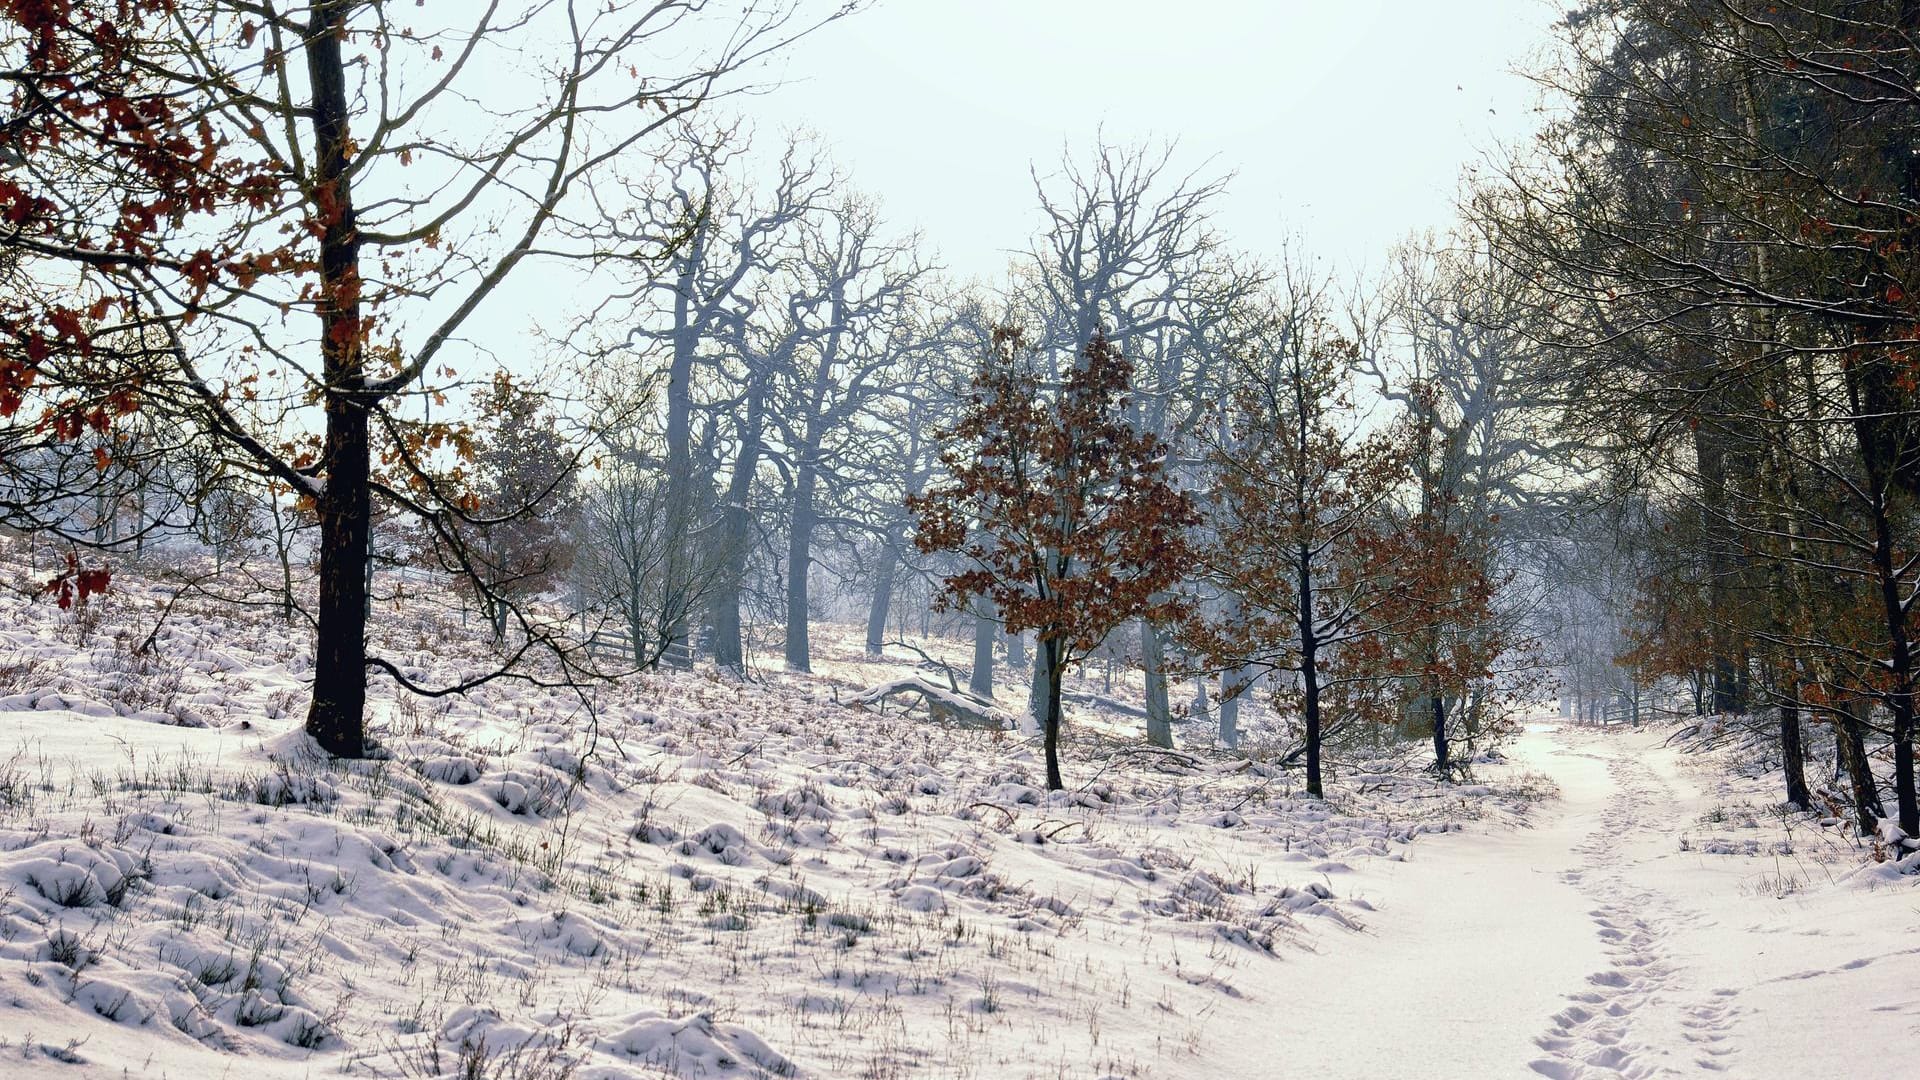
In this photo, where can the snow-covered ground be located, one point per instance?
(703, 877)
(1658, 920)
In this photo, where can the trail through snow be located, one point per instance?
(766, 879)
(1625, 1021)
(1597, 945)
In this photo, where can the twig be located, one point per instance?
(1188, 760)
(1058, 829)
(946, 669)
(166, 612)
(996, 806)
(1684, 733)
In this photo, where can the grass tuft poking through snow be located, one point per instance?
(702, 876)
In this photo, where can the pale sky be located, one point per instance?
(1345, 122)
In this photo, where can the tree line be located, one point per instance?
(1715, 243)
(1641, 419)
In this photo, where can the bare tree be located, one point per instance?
(852, 321)
(313, 160)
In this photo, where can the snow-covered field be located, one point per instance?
(693, 876)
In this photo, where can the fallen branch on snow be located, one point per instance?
(948, 706)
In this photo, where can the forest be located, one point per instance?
(563, 516)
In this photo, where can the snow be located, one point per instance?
(725, 878)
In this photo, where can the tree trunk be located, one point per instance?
(337, 717)
(1050, 650)
(1153, 664)
(1474, 720)
(1231, 682)
(498, 613)
(1712, 463)
(1437, 703)
(985, 628)
(1850, 742)
(1899, 663)
(799, 561)
(1900, 667)
(1793, 756)
(679, 501)
(1309, 669)
(1016, 650)
(1043, 678)
(736, 530)
(723, 613)
(806, 479)
(883, 596)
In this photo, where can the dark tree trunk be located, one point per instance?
(1900, 666)
(1899, 663)
(1726, 687)
(1437, 703)
(336, 719)
(1051, 651)
(1712, 459)
(1309, 670)
(1793, 757)
(498, 611)
(1850, 743)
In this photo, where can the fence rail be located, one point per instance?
(616, 645)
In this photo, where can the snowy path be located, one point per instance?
(1594, 946)
(1624, 1022)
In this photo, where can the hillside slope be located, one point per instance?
(693, 876)
(679, 875)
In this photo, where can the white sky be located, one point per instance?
(1345, 122)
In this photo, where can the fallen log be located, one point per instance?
(943, 705)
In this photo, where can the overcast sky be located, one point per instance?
(1345, 122)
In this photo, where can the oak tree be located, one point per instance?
(276, 223)
(1064, 510)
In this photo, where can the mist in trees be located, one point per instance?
(1716, 241)
(1638, 431)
